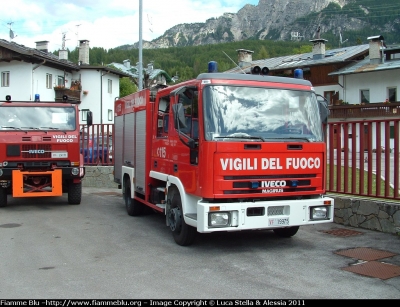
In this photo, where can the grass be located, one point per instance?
(375, 188)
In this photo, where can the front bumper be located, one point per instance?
(264, 214)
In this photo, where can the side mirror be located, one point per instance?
(323, 109)
(89, 118)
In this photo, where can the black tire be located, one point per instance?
(286, 232)
(183, 233)
(74, 193)
(133, 207)
(3, 197)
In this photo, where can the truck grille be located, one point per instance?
(289, 183)
(40, 151)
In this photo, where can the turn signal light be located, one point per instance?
(215, 208)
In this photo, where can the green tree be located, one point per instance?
(302, 49)
(126, 87)
(263, 53)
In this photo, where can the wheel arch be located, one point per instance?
(189, 202)
(128, 173)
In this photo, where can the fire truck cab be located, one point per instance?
(39, 149)
(224, 152)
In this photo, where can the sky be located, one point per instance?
(104, 23)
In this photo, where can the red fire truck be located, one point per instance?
(39, 149)
(224, 152)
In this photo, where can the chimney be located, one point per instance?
(245, 57)
(83, 52)
(63, 55)
(318, 49)
(376, 49)
(127, 64)
(42, 46)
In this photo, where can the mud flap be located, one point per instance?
(36, 184)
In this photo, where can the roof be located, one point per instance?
(33, 55)
(133, 72)
(366, 66)
(105, 68)
(302, 60)
(23, 53)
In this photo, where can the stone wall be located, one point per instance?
(380, 215)
(99, 177)
(376, 215)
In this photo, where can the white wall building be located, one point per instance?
(27, 74)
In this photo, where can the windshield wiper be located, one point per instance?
(290, 138)
(11, 127)
(32, 128)
(50, 128)
(297, 138)
(240, 137)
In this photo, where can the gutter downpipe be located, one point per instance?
(101, 95)
(33, 71)
(344, 88)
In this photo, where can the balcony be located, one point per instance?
(73, 93)
(371, 110)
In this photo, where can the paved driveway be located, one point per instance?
(50, 249)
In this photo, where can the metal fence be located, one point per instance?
(363, 158)
(96, 143)
(362, 155)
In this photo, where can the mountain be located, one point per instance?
(284, 20)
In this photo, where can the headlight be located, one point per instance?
(75, 171)
(319, 213)
(219, 219)
(1, 172)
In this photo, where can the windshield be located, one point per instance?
(260, 114)
(37, 118)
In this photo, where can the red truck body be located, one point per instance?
(224, 152)
(39, 150)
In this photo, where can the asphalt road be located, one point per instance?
(51, 250)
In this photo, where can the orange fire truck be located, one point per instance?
(39, 149)
(224, 152)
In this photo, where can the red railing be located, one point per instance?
(362, 155)
(96, 143)
(363, 158)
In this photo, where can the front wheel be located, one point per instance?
(286, 232)
(133, 207)
(3, 197)
(74, 193)
(183, 233)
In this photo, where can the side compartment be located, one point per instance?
(118, 147)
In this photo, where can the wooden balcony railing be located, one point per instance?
(74, 95)
(365, 111)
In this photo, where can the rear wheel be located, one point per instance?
(133, 207)
(74, 193)
(286, 232)
(3, 197)
(183, 233)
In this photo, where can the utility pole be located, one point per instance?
(140, 66)
(77, 35)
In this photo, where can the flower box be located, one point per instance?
(71, 94)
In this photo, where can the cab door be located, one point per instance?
(161, 153)
(186, 137)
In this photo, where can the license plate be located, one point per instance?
(279, 222)
(59, 154)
